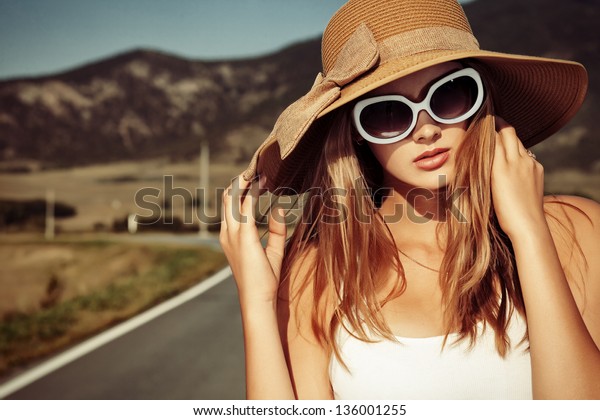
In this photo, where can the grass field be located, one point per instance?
(53, 294)
(104, 193)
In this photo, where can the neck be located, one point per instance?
(417, 216)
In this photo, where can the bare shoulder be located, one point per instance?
(294, 285)
(574, 221)
(307, 358)
(575, 226)
(297, 286)
(583, 210)
(296, 301)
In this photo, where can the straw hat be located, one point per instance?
(369, 43)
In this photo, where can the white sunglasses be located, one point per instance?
(390, 118)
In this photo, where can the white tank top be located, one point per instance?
(418, 368)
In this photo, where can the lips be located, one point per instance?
(432, 159)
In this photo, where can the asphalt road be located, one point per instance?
(194, 351)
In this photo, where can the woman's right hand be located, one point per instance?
(256, 270)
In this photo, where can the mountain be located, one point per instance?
(143, 104)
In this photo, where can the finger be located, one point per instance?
(511, 135)
(227, 218)
(277, 229)
(532, 156)
(231, 203)
(248, 197)
(238, 188)
(501, 123)
(223, 233)
(277, 235)
(507, 136)
(224, 209)
(499, 151)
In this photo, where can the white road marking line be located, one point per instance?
(99, 340)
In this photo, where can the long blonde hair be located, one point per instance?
(356, 251)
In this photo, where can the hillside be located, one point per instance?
(143, 104)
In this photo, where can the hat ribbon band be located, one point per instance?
(420, 40)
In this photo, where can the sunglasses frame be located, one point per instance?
(417, 107)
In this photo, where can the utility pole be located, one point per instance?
(49, 233)
(204, 180)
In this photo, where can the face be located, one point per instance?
(426, 157)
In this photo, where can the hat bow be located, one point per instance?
(358, 55)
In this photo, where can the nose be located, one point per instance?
(427, 130)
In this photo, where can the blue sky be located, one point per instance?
(45, 36)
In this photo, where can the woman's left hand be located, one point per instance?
(517, 183)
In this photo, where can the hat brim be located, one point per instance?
(536, 95)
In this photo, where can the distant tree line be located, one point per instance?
(32, 213)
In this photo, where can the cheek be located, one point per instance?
(452, 136)
(455, 133)
(389, 154)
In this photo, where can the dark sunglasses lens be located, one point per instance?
(386, 119)
(454, 98)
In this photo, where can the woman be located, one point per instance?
(427, 263)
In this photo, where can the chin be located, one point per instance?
(431, 181)
(433, 186)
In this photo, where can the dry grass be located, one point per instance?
(104, 193)
(55, 294)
